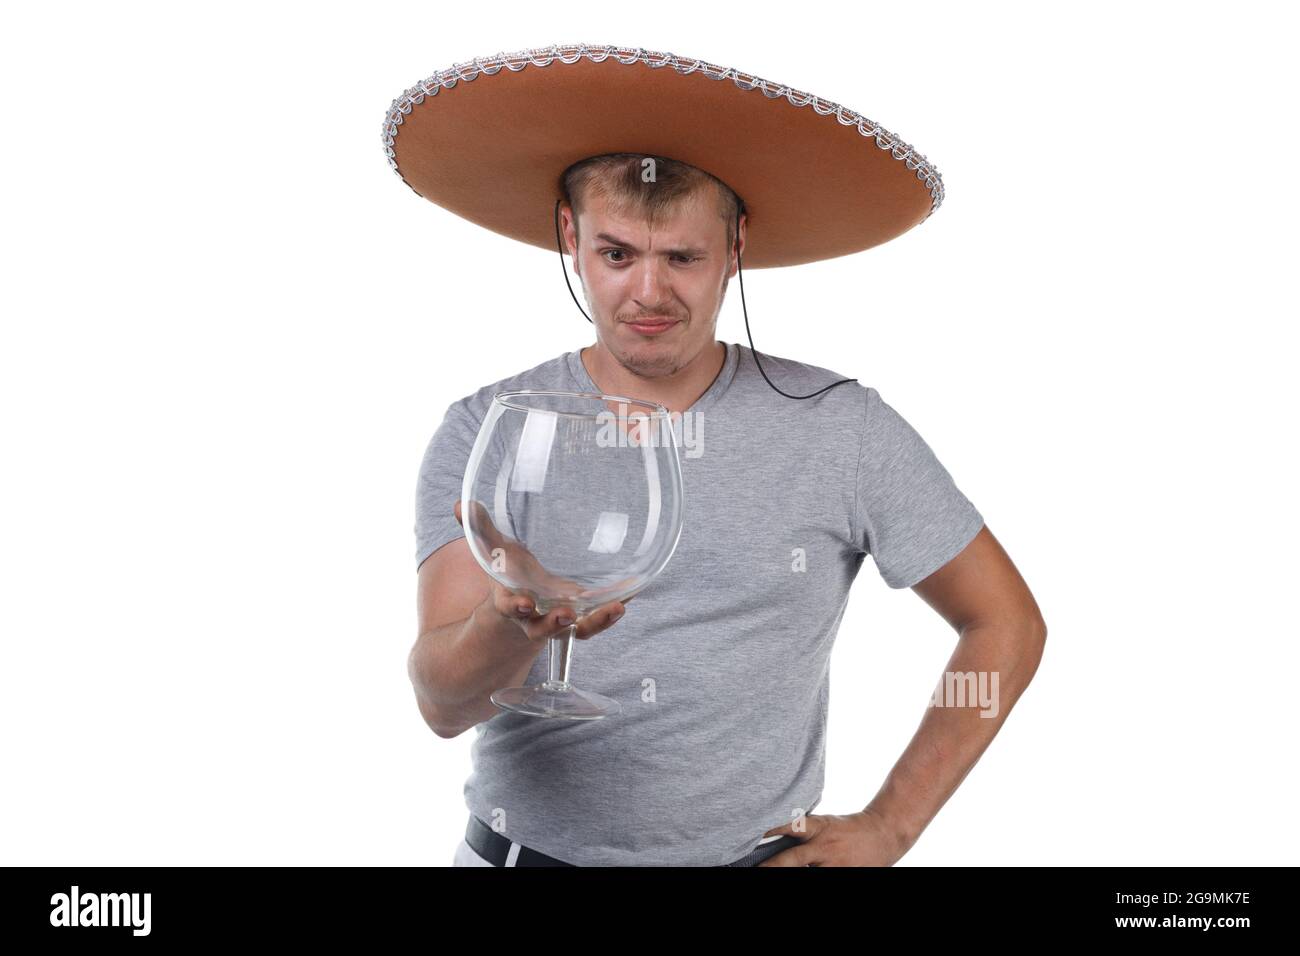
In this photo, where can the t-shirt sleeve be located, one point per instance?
(438, 488)
(909, 514)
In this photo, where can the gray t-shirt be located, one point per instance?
(721, 663)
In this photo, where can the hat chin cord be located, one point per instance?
(740, 272)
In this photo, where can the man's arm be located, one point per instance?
(464, 649)
(473, 639)
(982, 595)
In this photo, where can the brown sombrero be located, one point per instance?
(489, 140)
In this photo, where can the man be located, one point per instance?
(722, 668)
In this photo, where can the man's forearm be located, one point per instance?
(952, 737)
(455, 668)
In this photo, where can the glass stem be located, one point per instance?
(561, 649)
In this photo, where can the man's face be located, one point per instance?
(633, 274)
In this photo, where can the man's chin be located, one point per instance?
(651, 360)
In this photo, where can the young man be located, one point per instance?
(722, 665)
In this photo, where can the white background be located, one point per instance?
(230, 330)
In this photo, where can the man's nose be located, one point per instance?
(652, 280)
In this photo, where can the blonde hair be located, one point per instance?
(616, 177)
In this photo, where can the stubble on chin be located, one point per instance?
(650, 366)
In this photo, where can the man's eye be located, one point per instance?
(620, 252)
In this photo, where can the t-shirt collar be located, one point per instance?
(711, 395)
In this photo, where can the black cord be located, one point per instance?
(740, 272)
(559, 245)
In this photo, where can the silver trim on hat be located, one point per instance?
(571, 53)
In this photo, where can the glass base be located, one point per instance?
(556, 700)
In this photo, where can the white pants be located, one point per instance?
(465, 856)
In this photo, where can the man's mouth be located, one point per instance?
(652, 326)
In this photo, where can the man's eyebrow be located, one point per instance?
(681, 251)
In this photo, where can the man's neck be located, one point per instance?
(676, 392)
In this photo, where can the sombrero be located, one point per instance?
(489, 140)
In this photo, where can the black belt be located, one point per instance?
(495, 848)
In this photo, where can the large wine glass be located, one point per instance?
(575, 499)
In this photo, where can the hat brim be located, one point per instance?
(489, 139)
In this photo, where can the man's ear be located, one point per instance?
(567, 211)
(737, 248)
